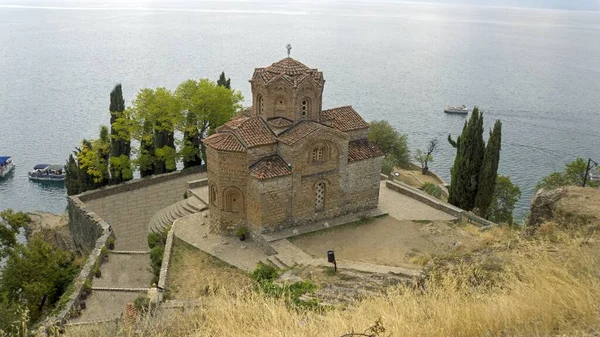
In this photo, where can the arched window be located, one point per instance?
(260, 104)
(305, 108)
(319, 197)
(213, 195)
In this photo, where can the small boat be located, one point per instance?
(46, 172)
(6, 165)
(461, 110)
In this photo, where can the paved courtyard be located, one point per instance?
(129, 215)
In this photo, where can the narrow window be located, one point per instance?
(305, 105)
(319, 197)
(260, 105)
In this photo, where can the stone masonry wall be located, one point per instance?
(83, 224)
(274, 195)
(129, 213)
(363, 184)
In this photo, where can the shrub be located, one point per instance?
(387, 167)
(110, 243)
(264, 272)
(242, 231)
(432, 189)
(156, 259)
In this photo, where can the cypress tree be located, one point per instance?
(223, 81)
(72, 179)
(119, 145)
(191, 143)
(489, 171)
(467, 164)
(146, 158)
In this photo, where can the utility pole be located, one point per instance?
(587, 170)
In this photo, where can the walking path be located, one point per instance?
(126, 274)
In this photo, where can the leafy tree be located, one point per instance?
(223, 82)
(92, 159)
(506, 195)
(152, 120)
(393, 144)
(36, 275)
(489, 171)
(467, 164)
(120, 140)
(424, 157)
(207, 106)
(10, 224)
(573, 175)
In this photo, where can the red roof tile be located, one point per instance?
(280, 122)
(344, 118)
(363, 149)
(225, 141)
(270, 167)
(288, 68)
(298, 132)
(251, 130)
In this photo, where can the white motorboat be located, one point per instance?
(6, 165)
(46, 172)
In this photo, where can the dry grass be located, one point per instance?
(193, 273)
(539, 287)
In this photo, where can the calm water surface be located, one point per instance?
(536, 70)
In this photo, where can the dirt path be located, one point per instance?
(386, 241)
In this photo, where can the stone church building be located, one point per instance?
(285, 161)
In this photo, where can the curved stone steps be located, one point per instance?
(166, 216)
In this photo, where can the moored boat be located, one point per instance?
(461, 110)
(6, 165)
(46, 172)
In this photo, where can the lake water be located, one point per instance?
(536, 70)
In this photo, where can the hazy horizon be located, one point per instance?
(588, 5)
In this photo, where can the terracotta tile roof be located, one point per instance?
(298, 132)
(280, 122)
(225, 141)
(344, 119)
(291, 70)
(362, 149)
(270, 167)
(252, 131)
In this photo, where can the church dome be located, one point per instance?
(288, 66)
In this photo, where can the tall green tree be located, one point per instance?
(153, 117)
(506, 195)
(489, 171)
(224, 82)
(207, 106)
(92, 159)
(470, 149)
(120, 140)
(72, 176)
(391, 142)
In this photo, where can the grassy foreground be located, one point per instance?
(514, 285)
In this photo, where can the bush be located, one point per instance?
(110, 243)
(242, 231)
(264, 272)
(387, 167)
(156, 259)
(432, 189)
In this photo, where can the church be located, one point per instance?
(285, 161)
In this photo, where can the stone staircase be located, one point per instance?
(166, 216)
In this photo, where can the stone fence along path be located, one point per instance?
(126, 274)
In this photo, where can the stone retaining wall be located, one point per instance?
(137, 184)
(198, 183)
(164, 268)
(73, 304)
(425, 198)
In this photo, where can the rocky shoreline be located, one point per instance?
(53, 228)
